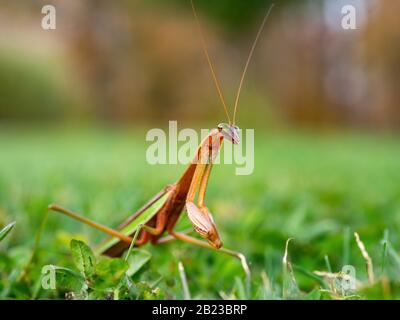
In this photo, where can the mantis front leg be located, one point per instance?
(199, 214)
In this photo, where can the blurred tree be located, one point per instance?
(30, 90)
(379, 52)
(236, 16)
(142, 60)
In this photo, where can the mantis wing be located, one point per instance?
(112, 246)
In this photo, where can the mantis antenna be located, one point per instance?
(248, 60)
(203, 43)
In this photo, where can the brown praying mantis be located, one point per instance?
(161, 213)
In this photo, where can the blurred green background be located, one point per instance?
(76, 103)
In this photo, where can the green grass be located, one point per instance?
(315, 188)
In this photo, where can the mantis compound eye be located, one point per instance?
(229, 132)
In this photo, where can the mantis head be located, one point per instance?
(229, 132)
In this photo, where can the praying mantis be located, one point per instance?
(161, 213)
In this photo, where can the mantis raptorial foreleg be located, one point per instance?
(199, 214)
(202, 218)
(203, 185)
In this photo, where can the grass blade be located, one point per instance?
(290, 288)
(328, 263)
(309, 274)
(133, 243)
(137, 260)
(267, 288)
(6, 230)
(185, 287)
(392, 252)
(240, 289)
(35, 246)
(385, 242)
(367, 258)
(346, 246)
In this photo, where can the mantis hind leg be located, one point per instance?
(169, 238)
(95, 225)
(184, 237)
